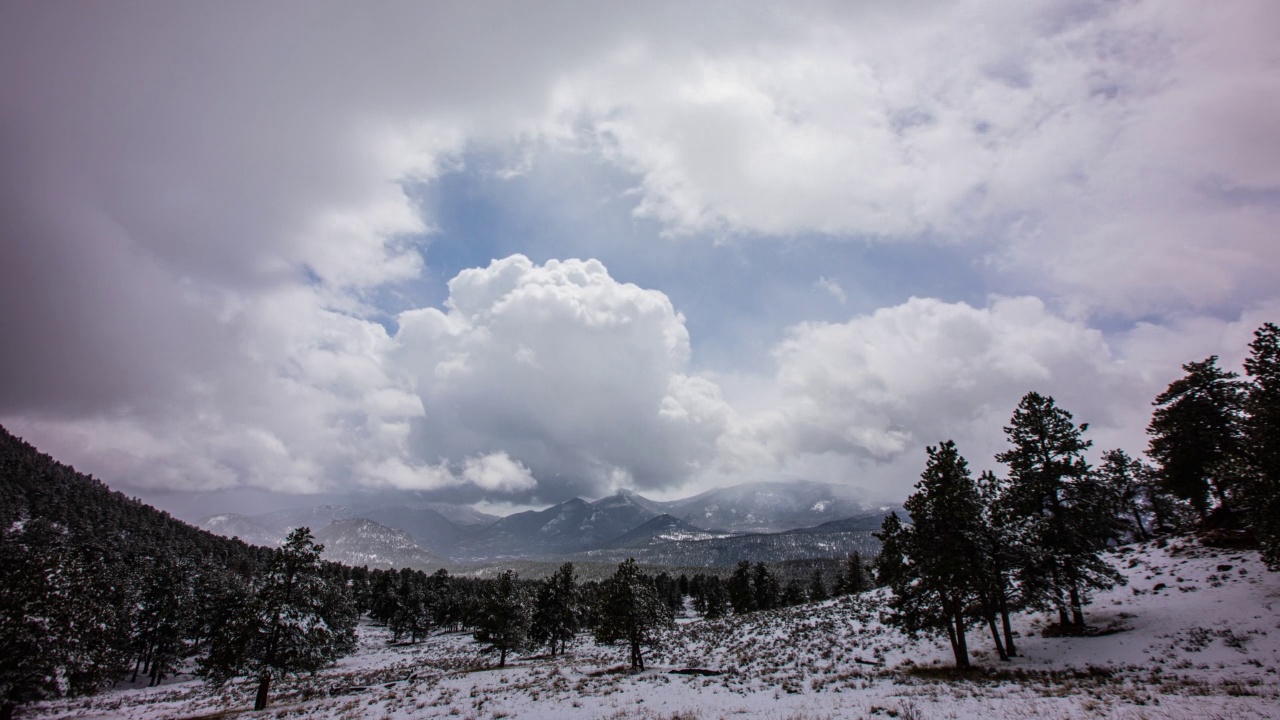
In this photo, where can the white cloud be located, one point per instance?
(1093, 144)
(206, 210)
(572, 373)
(497, 472)
(833, 287)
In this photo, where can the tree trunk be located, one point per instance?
(962, 645)
(502, 658)
(1008, 628)
(1142, 530)
(6, 711)
(264, 686)
(1077, 609)
(995, 635)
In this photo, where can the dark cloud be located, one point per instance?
(203, 209)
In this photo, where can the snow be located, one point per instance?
(1194, 634)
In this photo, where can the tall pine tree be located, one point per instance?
(1196, 438)
(505, 617)
(295, 621)
(631, 612)
(57, 636)
(1054, 504)
(1262, 439)
(936, 571)
(556, 612)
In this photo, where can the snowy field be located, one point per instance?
(1195, 634)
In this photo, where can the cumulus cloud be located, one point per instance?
(572, 372)
(211, 231)
(859, 400)
(1104, 148)
(499, 473)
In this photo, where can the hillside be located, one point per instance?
(1192, 634)
(34, 485)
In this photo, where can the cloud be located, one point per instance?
(499, 473)
(212, 238)
(860, 399)
(833, 287)
(566, 369)
(1104, 154)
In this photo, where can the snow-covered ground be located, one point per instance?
(1195, 634)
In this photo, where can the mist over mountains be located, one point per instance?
(764, 521)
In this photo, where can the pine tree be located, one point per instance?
(855, 574)
(934, 578)
(295, 621)
(414, 606)
(505, 617)
(632, 612)
(817, 588)
(741, 593)
(556, 611)
(1262, 440)
(165, 622)
(1054, 505)
(1196, 437)
(715, 598)
(891, 563)
(1001, 556)
(384, 597)
(764, 588)
(794, 593)
(56, 637)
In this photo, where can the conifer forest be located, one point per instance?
(101, 592)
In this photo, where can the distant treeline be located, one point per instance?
(96, 588)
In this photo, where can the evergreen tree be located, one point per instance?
(296, 621)
(632, 612)
(384, 596)
(165, 621)
(413, 607)
(56, 637)
(1056, 510)
(1262, 440)
(794, 594)
(669, 590)
(764, 588)
(934, 577)
(817, 588)
(741, 593)
(855, 576)
(891, 563)
(715, 598)
(1001, 556)
(556, 611)
(505, 617)
(1196, 436)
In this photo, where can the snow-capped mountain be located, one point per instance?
(664, 528)
(772, 506)
(359, 541)
(245, 528)
(572, 525)
(611, 523)
(427, 524)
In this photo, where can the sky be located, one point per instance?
(513, 253)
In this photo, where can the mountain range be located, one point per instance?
(765, 521)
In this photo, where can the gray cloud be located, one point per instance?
(201, 205)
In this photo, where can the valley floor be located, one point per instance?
(1194, 634)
